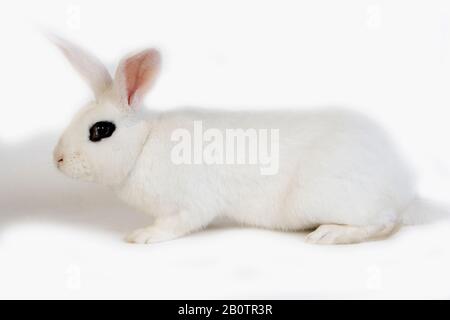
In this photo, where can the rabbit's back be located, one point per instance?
(333, 166)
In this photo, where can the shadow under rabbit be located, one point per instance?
(32, 189)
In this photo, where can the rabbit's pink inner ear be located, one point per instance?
(140, 72)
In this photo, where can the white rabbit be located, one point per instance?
(337, 172)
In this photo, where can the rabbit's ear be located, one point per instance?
(89, 67)
(135, 75)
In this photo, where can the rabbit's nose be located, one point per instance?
(59, 159)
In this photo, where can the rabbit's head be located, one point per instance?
(106, 137)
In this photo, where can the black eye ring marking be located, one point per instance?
(101, 130)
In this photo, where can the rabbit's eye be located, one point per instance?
(101, 130)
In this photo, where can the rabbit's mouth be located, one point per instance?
(74, 166)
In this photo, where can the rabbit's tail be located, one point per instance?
(421, 211)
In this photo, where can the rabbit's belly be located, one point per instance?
(270, 219)
(269, 211)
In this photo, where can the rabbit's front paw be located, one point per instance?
(149, 235)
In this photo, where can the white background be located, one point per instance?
(63, 239)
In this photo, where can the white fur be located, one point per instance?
(337, 171)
